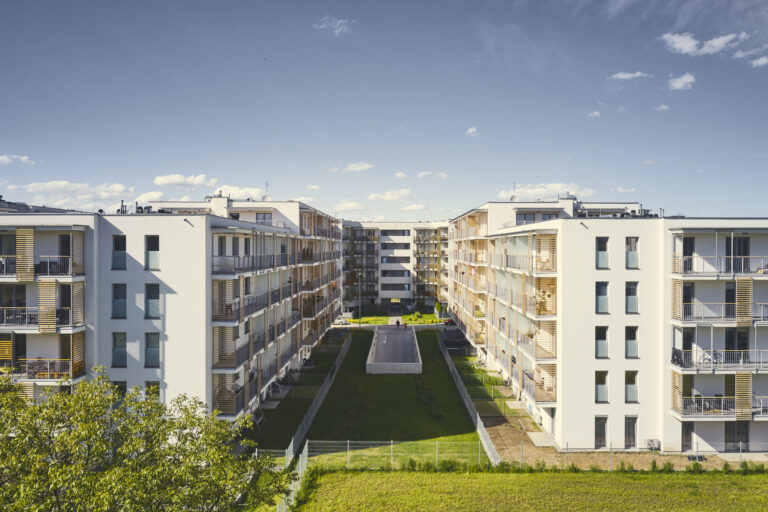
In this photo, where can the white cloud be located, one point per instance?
(423, 174)
(594, 115)
(12, 187)
(623, 75)
(391, 195)
(358, 167)
(304, 199)
(347, 205)
(187, 181)
(624, 190)
(332, 169)
(236, 192)
(312, 187)
(649, 162)
(687, 44)
(661, 108)
(442, 175)
(67, 194)
(413, 207)
(546, 191)
(471, 131)
(9, 159)
(740, 54)
(155, 195)
(400, 175)
(338, 26)
(758, 63)
(682, 82)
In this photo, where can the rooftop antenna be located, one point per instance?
(513, 198)
(266, 197)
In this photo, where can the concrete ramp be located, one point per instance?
(394, 350)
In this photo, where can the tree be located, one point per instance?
(92, 449)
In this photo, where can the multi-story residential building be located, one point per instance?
(618, 328)
(194, 301)
(401, 262)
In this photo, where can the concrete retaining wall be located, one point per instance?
(391, 368)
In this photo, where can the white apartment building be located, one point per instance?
(617, 328)
(190, 300)
(395, 262)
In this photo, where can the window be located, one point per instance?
(152, 388)
(391, 247)
(550, 216)
(630, 432)
(395, 273)
(266, 219)
(247, 325)
(151, 300)
(630, 387)
(247, 286)
(601, 387)
(601, 342)
(247, 247)
(119, 300)
(631, 292)
(525, 218)
(122, 387)
(395, 259)
(119, 354)
(118, 252)
(630, 342)
(601, 297)
(632, 262)
(152, 350)
(601, 252)
(152, 252)
(395, 232)
(395, 287)
(222, 241)
(235, 246)
(601, 422)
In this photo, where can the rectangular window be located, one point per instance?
(395, 232)
(119, 353)
(601, 342)
(222, 241)
(152, 252)
(601, 252)
(550, 216)
(152, 350)
(630, 342)
(631, 291)
(601, 297)
(118, 252)
(630, 387)
(235, 246)
(151, 300)
(630, 432)
(395, 259)
(119, 296)
(601, 422)
(122, 387)
(632, 262)
(247, 286)
(601, 387)
(247, 247)
(525, 218)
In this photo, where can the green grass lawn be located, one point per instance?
(399, 407)
(428, 318)
(457, 492)
(369, 320)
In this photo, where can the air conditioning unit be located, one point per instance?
(653, 444)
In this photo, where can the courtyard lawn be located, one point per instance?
(421, 319)
(369, 320)
(457, 492)
(399, 407)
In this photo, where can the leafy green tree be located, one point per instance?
(92, 449)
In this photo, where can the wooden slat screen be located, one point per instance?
(743, 396)
(46, 303)
(78, 303)
(677, 299)
(6, 347)
(25, 254)
(242, 296)
(78, 267)
(677, 392)
(546, 340)
(744, 302)
(78, 354)
(546, 253)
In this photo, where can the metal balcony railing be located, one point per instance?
(720, 264)
(709, 406)
(31, 316)
(720, 359)
(239, 264)
(53, 266)
(38, 368)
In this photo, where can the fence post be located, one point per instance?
(347, 453)
(739, 455)
(566, 454)
(436, 451)
(610, 457)
(522, 454)
(391, 452)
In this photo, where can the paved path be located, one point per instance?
(394, 319)
(395, 345)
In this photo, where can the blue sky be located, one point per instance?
(397, 110)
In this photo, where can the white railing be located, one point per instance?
(720, 264)
(700, 358)
(722, 311)
(709, 406)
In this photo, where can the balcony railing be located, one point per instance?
(53, 266)
(238, 264)
(258, 342)
(722, 311)
(229, 402)
(720, 359)
(709, 406)
(539, 389)
(53, 369)
(31, 316)
(720, 264)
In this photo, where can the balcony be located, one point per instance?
(540, 384)
(726, 311)
(714, 265)
(30, 317)
(239, 264)
(233, 359)
(701, 359)
(709, 406)
(45, 369)
(229, 402)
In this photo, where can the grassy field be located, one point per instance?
(399, 407)
(456, 492)
(421, 319)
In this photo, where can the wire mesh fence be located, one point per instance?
(392, 454)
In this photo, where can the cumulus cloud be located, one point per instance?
(303, 199)
(594, 114)
(358, 167)
(312, 187)
(347, 205)
(400, 175)
(236, 192)
(740, 54)
(154, 195)
(9, 159)
(337, 26)
(423, 174)
(682, 82)
(687, 44)
(546, 191)
(391, 195)
(623, 75)
(760, 62)
(471, 131)
(67, 194)
(661, 108)
(624, 190)
(413, 207)
(187, 181)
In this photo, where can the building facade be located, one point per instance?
(192, 300)
(619, 329)
(394, 262)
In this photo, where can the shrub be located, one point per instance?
(449, 466)
(726, 468)
(540, 466)
(573, 468)
(654, 466)
(409, 465)
(595, 468)
(695, 467)
(668, 467)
